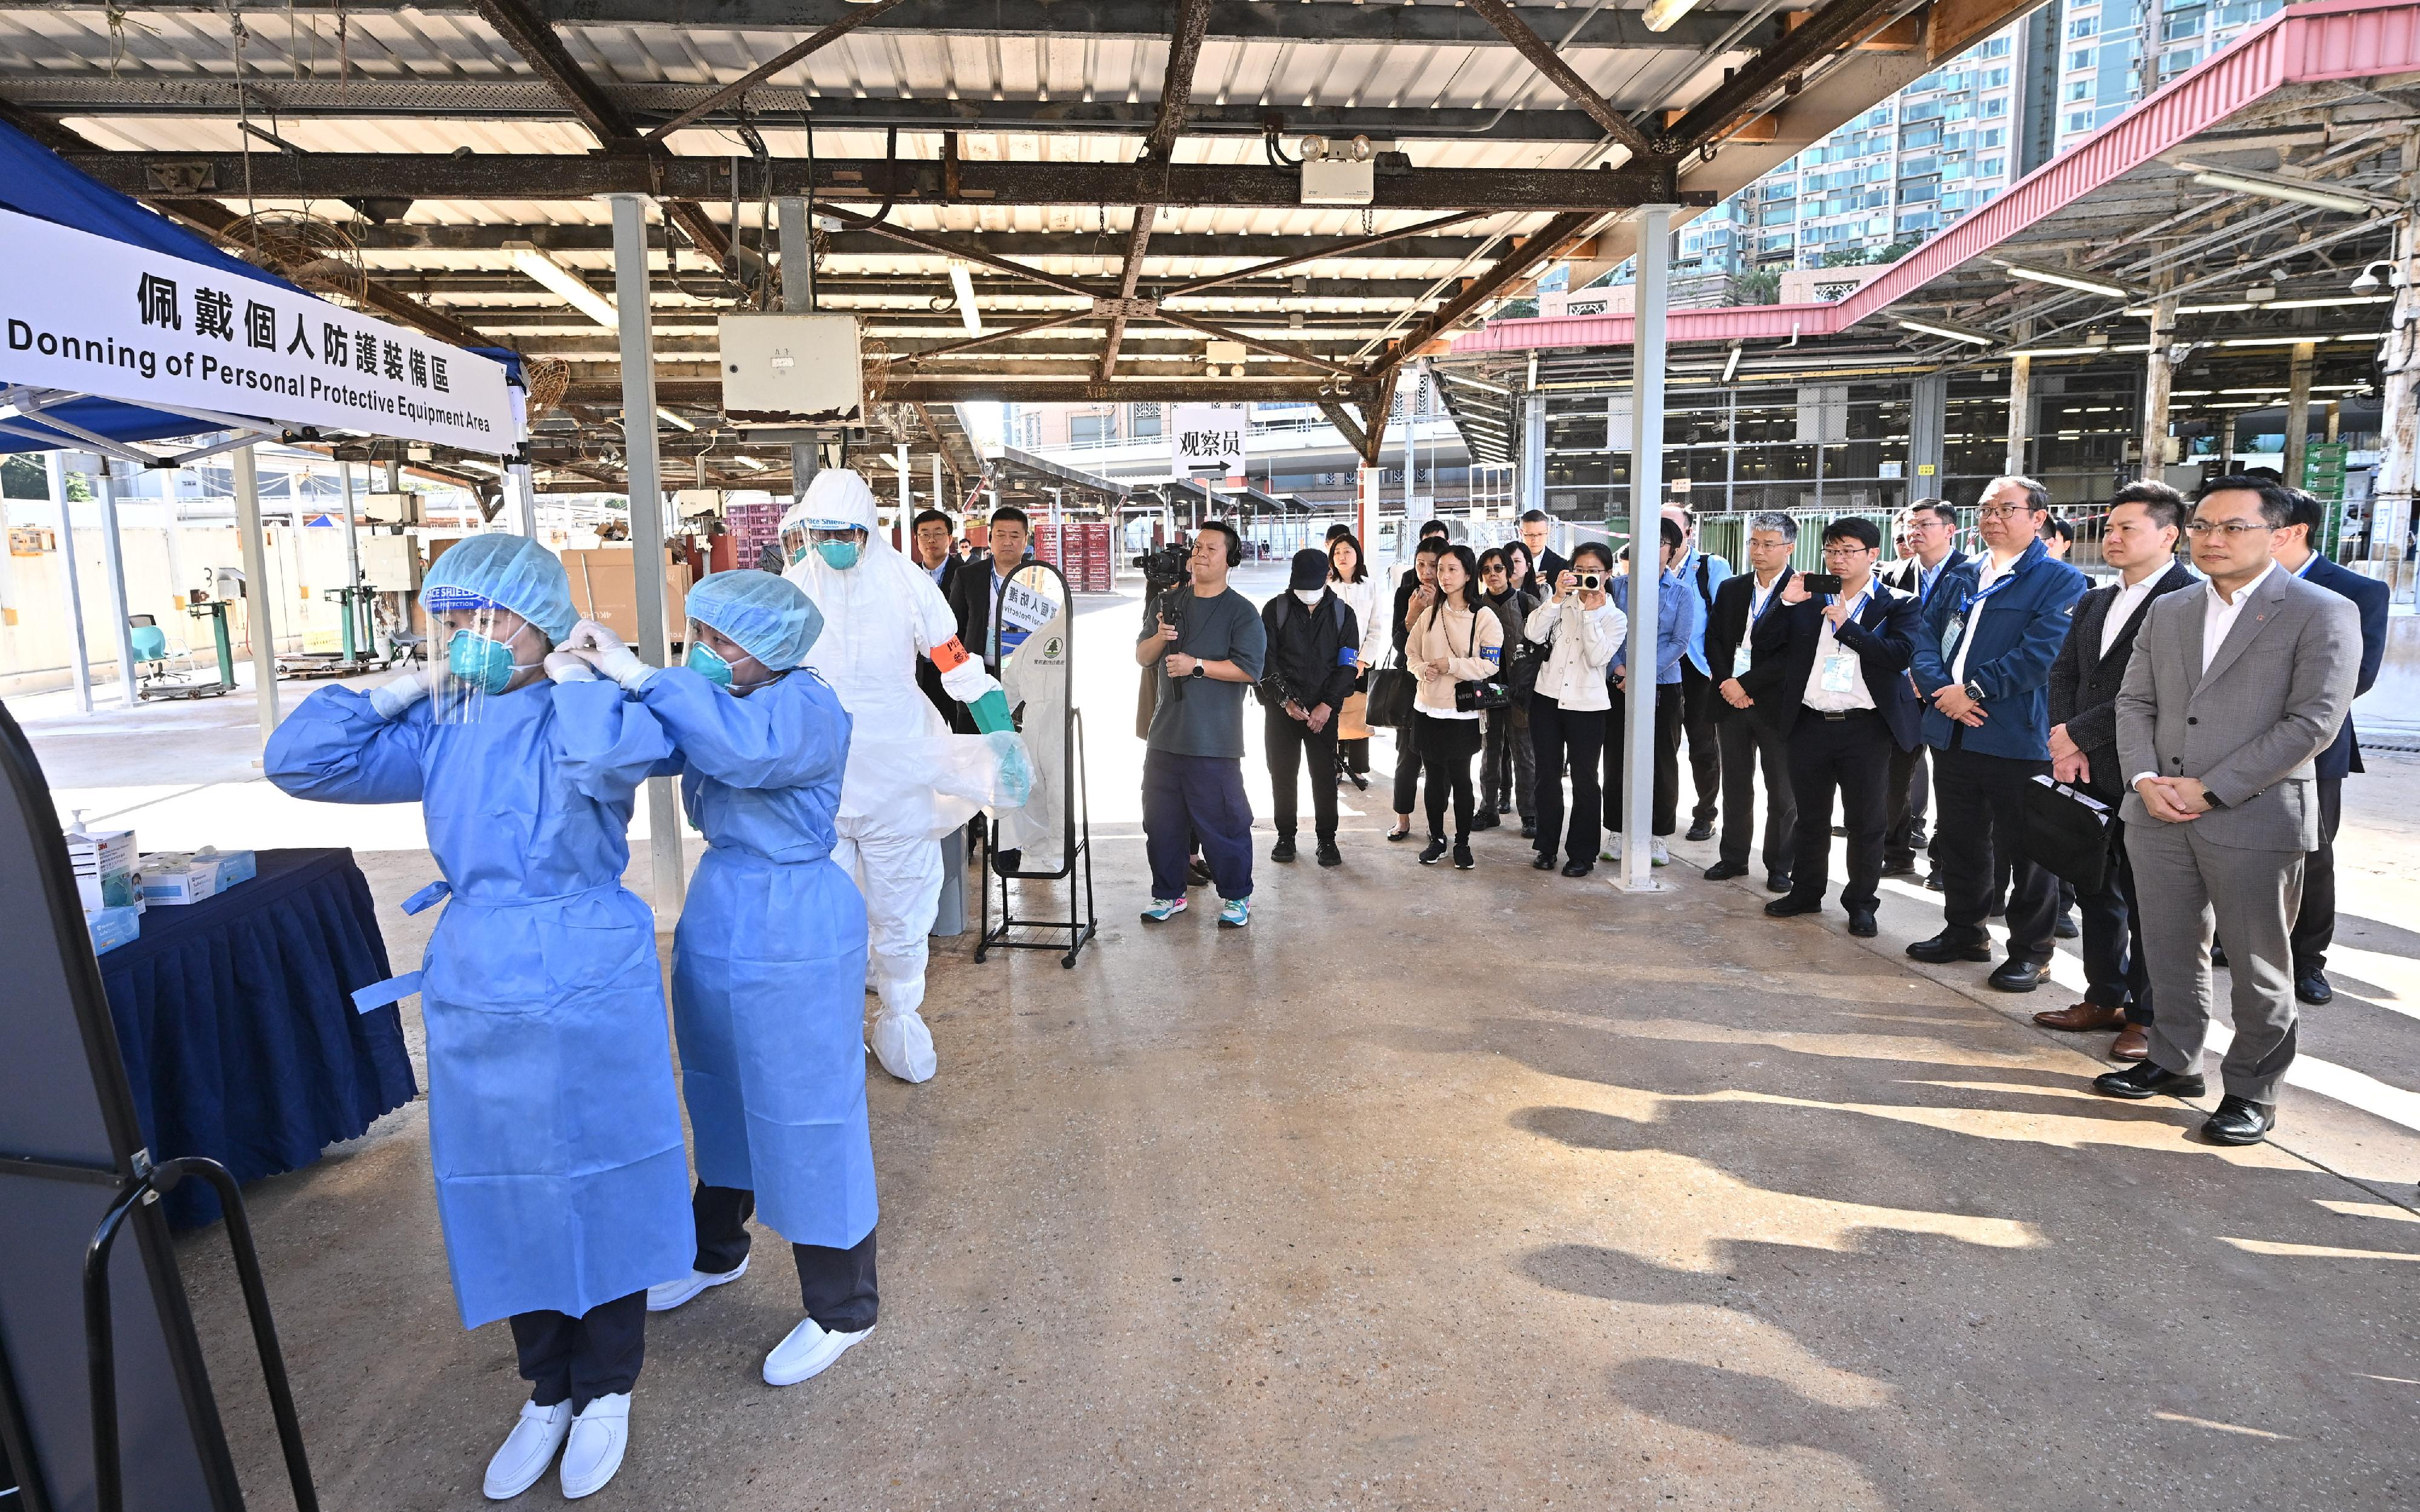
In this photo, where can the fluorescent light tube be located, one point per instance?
(962, 283)
(2350, 202)
(563, 280)
(1661, 14)
(2107, 288)
(1946, 331)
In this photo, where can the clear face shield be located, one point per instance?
(481, 650)
(837, 543)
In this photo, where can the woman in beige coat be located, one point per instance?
(1454, 640)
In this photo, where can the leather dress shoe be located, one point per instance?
(2147, 1078)
(1725, 870)
(1543, 863)
(2018, 976)
(1949, 945)
(1702, 829)
(2312, 987)
(1778, 882)
(1861, 924)
(1932, 882)
(1918, 839)
(2239, 1121)
(2064, 927)
(1788, 904)
(1898, 869)
(1579, 869)
(2083, 1018)
(2134, 1043)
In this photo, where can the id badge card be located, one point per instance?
(1840, 671)
(1951, 633)
(1740, 660)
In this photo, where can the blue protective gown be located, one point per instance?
(553, 1126)
(768, 964)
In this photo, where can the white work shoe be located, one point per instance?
(905, 1046)
(527, 1450)
(598, 1436)
(807, 1352)
(666, 1295)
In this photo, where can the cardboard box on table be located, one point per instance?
(604, 589)
(105, 870)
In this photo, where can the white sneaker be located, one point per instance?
(666, 1295)
(1612, 851)
(527, 1450)
(1656, 854)
(807, 1352)
(598, 1436)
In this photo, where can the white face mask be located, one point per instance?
(1310, 596)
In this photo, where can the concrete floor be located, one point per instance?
(1436, 1190)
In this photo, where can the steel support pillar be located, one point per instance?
(259, 618)
(113, 557)
(1533, 453)
(797, 298)
(645, 473)
(2021, 418)
(2390, 505)
(1638, 799)
(2298, 411)
(1928, 416)
(2159, 377)
(80, 656)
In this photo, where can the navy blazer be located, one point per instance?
(2343, 756)
(1884, 635)
(2016, 637)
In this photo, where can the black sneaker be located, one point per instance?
(1283, 849)
(1329, 854)
(1434, 852)
(1529, 829)
(1543, 862)
(1702, 829)
(1461, 860)
(1484, 819)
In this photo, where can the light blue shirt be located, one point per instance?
(1679, 621)
(1716, 570)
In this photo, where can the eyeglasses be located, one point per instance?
(1848, 552)
(2234, 530)
(2003, 511)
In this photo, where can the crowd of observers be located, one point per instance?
(2201, 749)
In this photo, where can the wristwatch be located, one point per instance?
(1973, 690)
(1197, 671)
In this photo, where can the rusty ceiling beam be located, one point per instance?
(1072, 389)
(1175, 93)
(1259, 344)
(1834, 29)
(1333, 248)
(928, 242)
(1539, 246)
(1542, 56)
(1346, 426)
(856, 17)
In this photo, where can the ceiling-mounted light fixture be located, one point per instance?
(2260, 294)
(1732, 361)
(962, 282)
(2105, 287)
(1947, 330)
(1661, 14)
(543, 269)
(2293, 191)
(673, 420)
(750, 463)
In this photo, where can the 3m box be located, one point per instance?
(234, 866)
(106, 872)
(173, 879)
(113, 926)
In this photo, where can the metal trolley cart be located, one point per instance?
(1038, 671)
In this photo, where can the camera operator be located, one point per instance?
(1208, 645)
(1315, 645)
(1577, 631)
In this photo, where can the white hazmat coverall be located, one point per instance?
(909, 781)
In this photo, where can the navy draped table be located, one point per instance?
(236, 1020)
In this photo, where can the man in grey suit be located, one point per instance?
(2232, 691)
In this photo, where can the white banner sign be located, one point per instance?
(1207, 437)
(98, 316)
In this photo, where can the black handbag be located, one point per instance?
(2066, 833)
(1393, 690)
(1481, 695)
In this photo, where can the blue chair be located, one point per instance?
(153, 651)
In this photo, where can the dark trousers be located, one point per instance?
(2315, 925)
(1853, 754)
(1907, 792)
(579, 1359)
(1446, 746)
(2117, 973)
(1289, 742)
(836, 1284)
(1747, 744)
(1979, 812)
(1507, 772)
(1356, 753)
(1697, 700)
(1559, 735)
(1190, 798)
(1668, 759)
(1407, 766)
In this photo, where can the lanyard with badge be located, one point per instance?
(1955, 630)
(1743, 655)
(1840, 665)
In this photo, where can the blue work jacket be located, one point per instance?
(2016, 637)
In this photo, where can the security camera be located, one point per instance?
(2368, 281)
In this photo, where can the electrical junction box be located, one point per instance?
(1339, 181)
(392, 508)
(390, 564)
(786, 369)
(698, 503)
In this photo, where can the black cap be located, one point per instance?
(1310, 568)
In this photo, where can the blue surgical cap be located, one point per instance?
(509, 571)
(770, 617)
